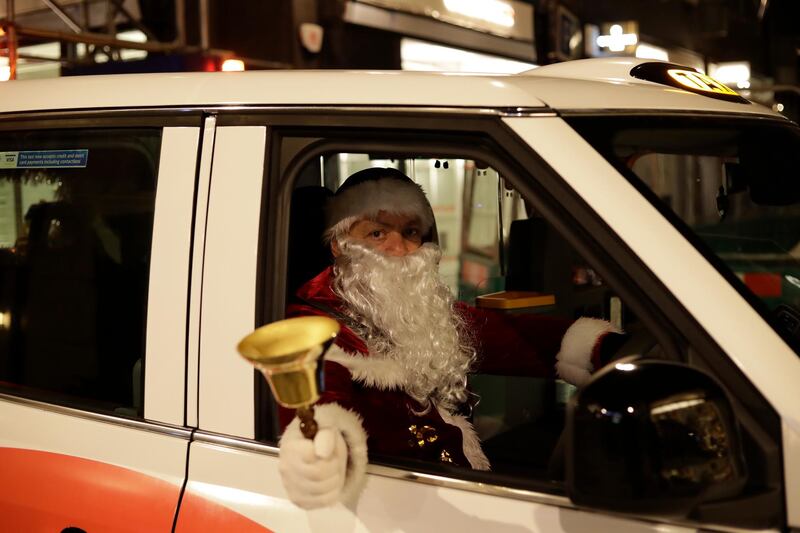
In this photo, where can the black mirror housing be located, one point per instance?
(652, 437)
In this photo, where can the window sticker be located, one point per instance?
(44, 159)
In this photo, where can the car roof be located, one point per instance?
(584, 85)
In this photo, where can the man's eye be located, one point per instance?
(412, 232)
(376, 234)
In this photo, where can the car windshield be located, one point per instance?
(731, 185)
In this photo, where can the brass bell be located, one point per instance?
(289, 355)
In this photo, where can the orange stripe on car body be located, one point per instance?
(45, 492)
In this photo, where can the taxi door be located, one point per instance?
(95, 254)
(233, 479)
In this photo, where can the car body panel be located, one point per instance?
(247, 481)
(200, 514)
(606, 84)
(89, 461)
(265, 88)
(226, 403)
(594, 85)
(169, 277)
(44, 491)
(791, 474)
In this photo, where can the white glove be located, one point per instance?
(313, 472)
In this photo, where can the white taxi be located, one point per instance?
(149, 222)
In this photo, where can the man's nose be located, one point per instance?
(395, 245)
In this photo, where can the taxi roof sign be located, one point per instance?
(686, 78)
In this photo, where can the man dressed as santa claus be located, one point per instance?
(395, 381)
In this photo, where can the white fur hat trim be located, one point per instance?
(369, 197)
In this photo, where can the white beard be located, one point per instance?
(407, 315)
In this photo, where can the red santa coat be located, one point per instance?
(365, 391)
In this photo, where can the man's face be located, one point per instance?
(389, 233)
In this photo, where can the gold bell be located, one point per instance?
(289, 355)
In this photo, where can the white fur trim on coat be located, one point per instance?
(575, 357)
(332, 415)
(471, 443)
(385, 374)
(367, 198)
(376, 372)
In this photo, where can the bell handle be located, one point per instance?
(308, 426)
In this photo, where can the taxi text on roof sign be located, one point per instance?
(699, 82)
(686, 78)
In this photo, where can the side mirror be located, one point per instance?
(652, 437)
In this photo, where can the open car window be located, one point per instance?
(501, 257)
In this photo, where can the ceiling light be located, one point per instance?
(731, 73)
(494, 11)
(646, 51)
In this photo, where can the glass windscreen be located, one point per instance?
(733, 185)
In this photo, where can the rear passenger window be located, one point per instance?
(76, 224)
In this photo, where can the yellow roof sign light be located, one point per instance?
(699, 82)
(686, 78)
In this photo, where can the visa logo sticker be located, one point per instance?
(8, 159)
(45, 159)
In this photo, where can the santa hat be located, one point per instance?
(369, 191)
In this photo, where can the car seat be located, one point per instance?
(308, 254)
